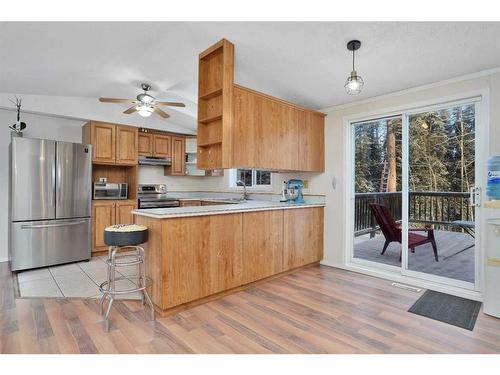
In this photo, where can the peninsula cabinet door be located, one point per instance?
(204, 258)
(262, 244)
(303, 237)
(126, 145)
(103, 138)
(103, 215)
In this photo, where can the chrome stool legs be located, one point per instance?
(108, 288)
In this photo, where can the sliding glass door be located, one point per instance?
(413, 203)
(441, 174)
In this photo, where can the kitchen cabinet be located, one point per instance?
(102, 136)
(145, 144)
(302, 237)
(262, 244)
(204, 259)
(162, 145)
(178, 167)
(193, 258)
(242, 128)
(106, 213)
(126, 145)
(103, 215)
(111, 144)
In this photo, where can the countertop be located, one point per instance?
(247, 206)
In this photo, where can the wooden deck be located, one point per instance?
(315, 310)
(454, 261)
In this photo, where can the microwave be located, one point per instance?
(107, 190)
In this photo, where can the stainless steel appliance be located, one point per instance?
(50, 202)
(153, 160)
(155, 196)
(109, 190)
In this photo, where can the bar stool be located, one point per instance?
(121, 237)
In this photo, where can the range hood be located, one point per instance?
(151, 160)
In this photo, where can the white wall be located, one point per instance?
(335, 134)
(38, 126)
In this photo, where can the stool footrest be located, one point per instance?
(104, 287)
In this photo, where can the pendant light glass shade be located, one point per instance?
(354, 84)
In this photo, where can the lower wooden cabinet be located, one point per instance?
(262, 244)
(191, 258)
(106, 213)
(204, 257)
(302, 237)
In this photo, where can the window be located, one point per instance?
(252, 178)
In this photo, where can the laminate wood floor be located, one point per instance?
(315, 310)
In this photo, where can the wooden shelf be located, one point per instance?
(211, 94)
(208, 144)
(208, 120)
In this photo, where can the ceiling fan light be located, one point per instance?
(354, 84)
(144, 110)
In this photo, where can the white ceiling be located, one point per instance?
(306, 63)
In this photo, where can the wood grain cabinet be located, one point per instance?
(106, 213)
(145, 144)
(178, 167)
(242, 128)
(111, 144)
(103, 215)
(162, 146)
(102, 136)
(204, 258)
(126, 145)
(192, 258)
(262, 244)
(302, 237)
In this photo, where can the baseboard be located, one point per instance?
(470, 294)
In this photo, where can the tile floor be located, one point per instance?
(73, 280)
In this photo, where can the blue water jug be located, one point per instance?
(493, 185)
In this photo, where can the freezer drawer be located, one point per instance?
(44, 243)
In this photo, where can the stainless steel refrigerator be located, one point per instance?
(50, 202)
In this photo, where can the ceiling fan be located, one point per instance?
(145, 104)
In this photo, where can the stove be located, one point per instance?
(155, 196)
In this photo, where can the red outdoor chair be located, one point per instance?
(392, 232)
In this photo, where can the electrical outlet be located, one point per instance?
(306, 184)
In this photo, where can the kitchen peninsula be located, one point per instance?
(198, 253)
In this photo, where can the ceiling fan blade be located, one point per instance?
(161, 113)
(171, 104)
(114, 100)
(130, 110)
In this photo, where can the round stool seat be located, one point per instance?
(125, 235)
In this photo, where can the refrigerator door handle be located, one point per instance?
(36, 226)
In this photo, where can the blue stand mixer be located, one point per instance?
(292, 191)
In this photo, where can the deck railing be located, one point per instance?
(440, 209)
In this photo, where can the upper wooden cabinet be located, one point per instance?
(126, 145)
(178, 167)
(162, 145)
(145, 145)
(242, 128)
(111, 144)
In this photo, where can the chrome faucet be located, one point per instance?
(245, 193)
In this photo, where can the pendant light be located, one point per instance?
(354, 83)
